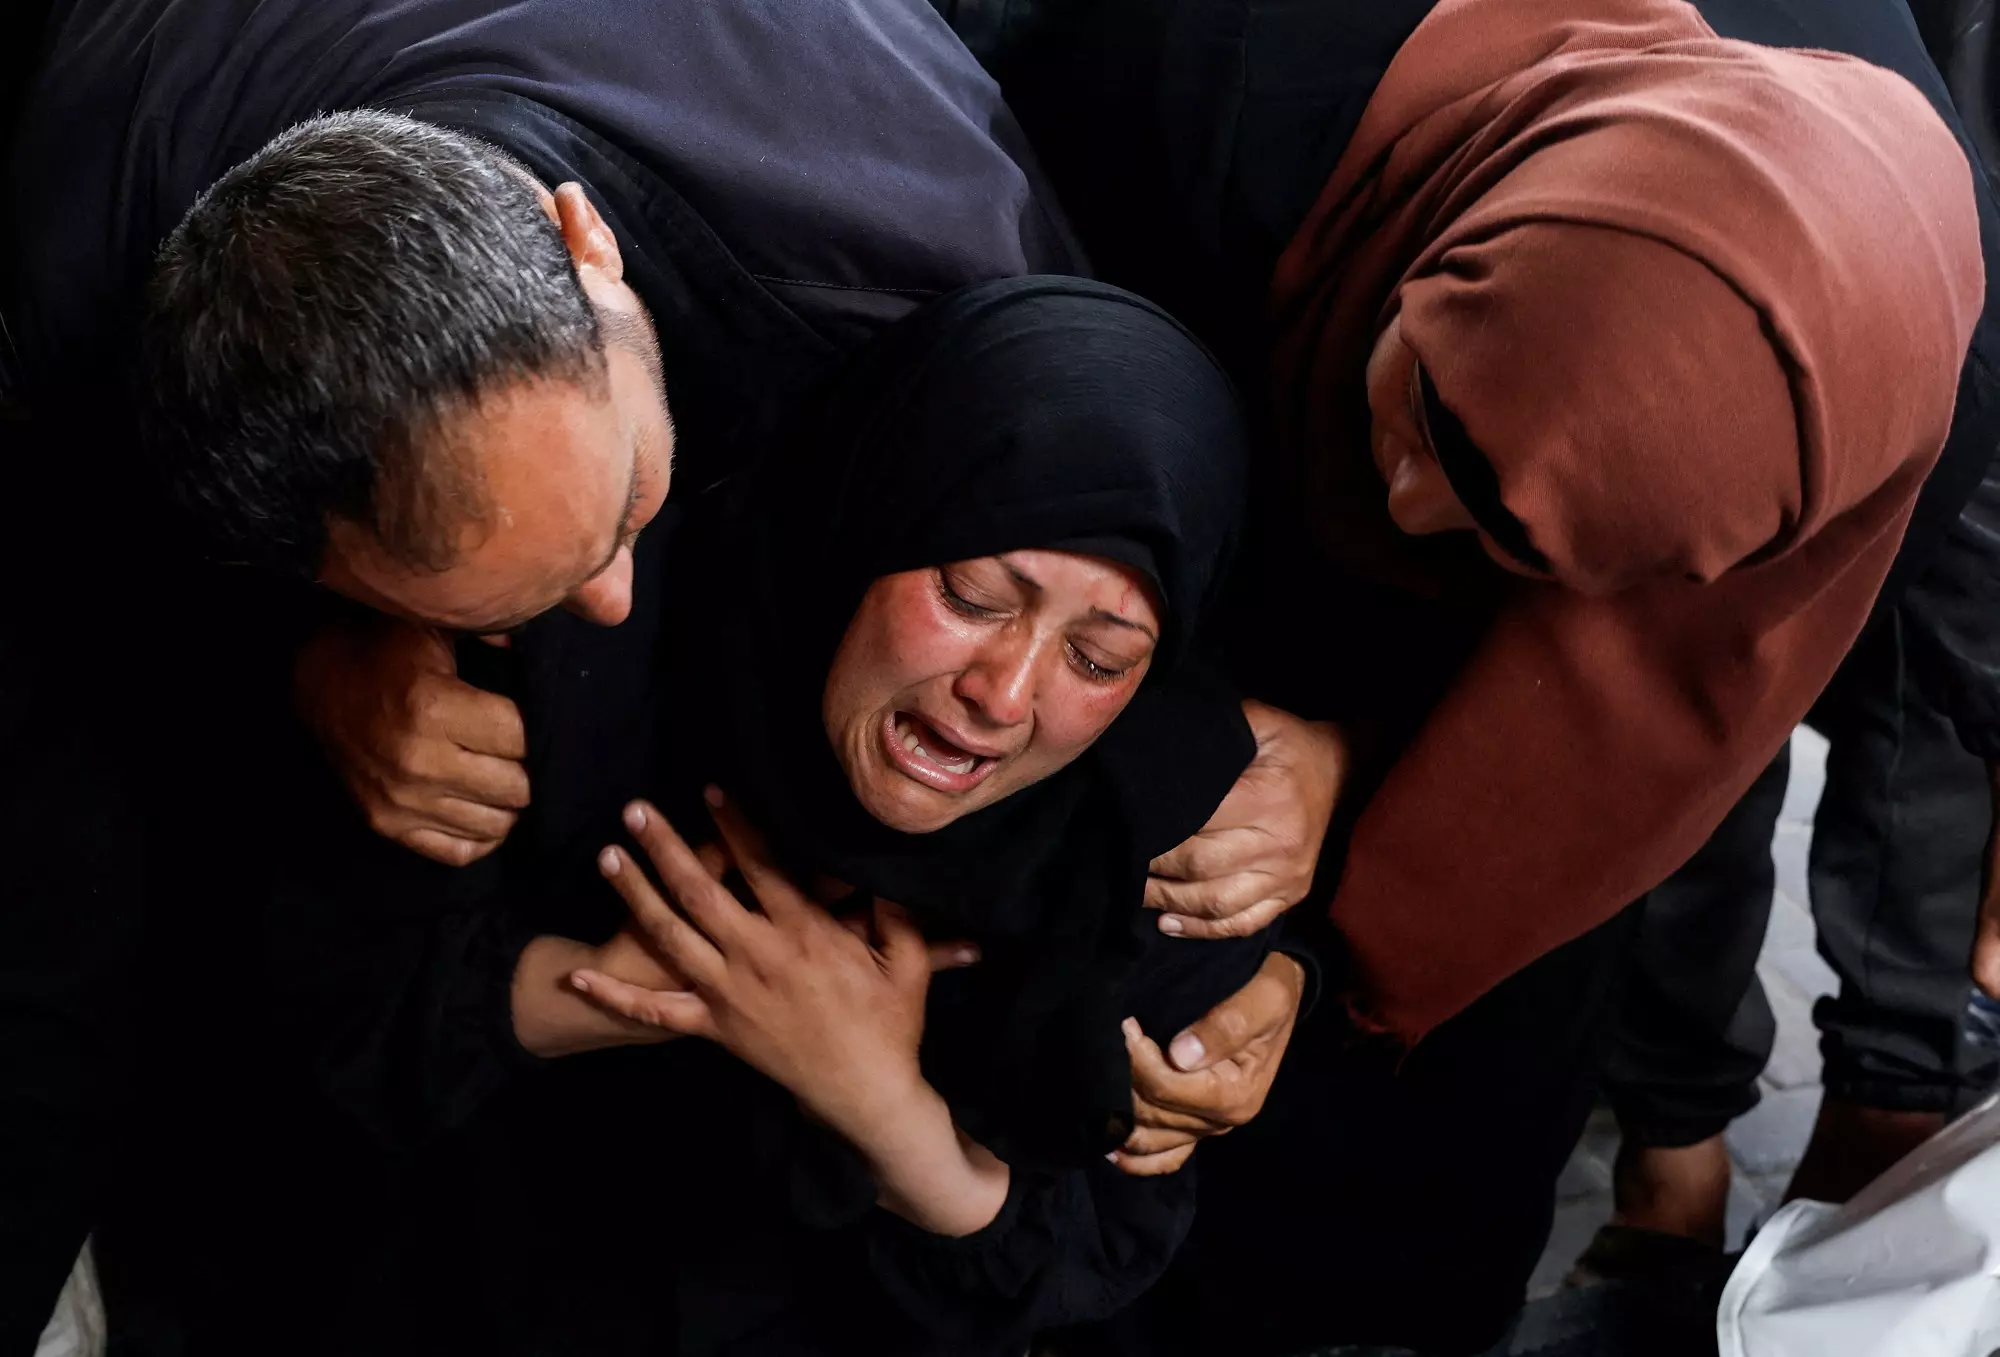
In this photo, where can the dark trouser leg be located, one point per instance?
(1695, 1029)
(1404, 1207)
(1895, 870)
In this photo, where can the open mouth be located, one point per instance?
(923, 752)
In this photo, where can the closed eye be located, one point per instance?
(1098, 671)
(958, 602)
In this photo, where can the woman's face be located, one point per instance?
(959, 685)
(1421, 500)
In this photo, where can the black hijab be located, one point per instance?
(1045, 413)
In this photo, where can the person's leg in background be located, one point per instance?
(1694, 1031)
(1897, 856)
(1897, 862)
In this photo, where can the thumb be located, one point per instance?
(1224, 1030)
(1219, 1035)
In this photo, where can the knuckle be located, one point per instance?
(1231, 926)
(1204, 904)
(406, 753)
(1243, 1112)
(423, 701)
(1232, 1024)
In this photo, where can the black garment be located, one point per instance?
(782, 179)
(1950, 623)
(1959, 36)
(395, 975)
(1894, 876)
(1400, 1206)
(1694, 1028)
(71, 920)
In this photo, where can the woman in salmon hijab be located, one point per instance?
(1619, 352)
(1650, 338)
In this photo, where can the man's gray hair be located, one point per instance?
(324, 308)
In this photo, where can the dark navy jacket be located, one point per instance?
(784, 176)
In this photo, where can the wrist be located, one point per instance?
(878, 1114)
(929, 1172)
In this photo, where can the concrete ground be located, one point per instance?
(1765, 1143)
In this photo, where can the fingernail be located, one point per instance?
(609, 861)
(1171, 923)
(712, 795)
(965, 956)
(1187, 1051)
(635, 817)
(1111, 1158)
(1130, 1027)
(579, 983)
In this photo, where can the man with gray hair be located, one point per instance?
(430, 270)
(428, 267)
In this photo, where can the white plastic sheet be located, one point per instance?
(77, 1328)
(1909, 1268)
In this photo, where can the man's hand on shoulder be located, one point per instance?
(435, 763)
(1214, 1076)
(1256, 856)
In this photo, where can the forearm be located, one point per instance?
(551, 1019)
(927, 1170)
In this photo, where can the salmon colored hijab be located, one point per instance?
(1701, 305)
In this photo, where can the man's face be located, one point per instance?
(570, 475)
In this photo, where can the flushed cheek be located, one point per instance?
(1065, 727)
(916, 638)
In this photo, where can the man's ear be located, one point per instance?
(591, 244)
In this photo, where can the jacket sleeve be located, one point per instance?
(392, 975)
(1072, 1247)
(1951, 623)
(1064, 1249)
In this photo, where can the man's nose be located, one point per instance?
(606, 597)
(1000, 682)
